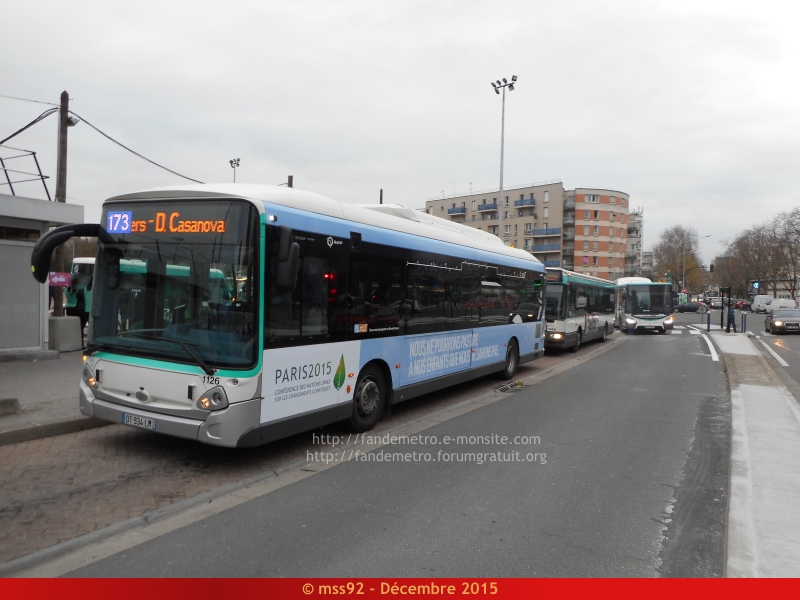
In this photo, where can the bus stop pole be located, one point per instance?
(708, 326)
(744, 322)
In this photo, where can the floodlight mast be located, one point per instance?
(498, 85)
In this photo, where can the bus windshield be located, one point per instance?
(555, 304)
(648, 300)
(177, 280)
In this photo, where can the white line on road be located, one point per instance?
(777, 357)
(714, 356)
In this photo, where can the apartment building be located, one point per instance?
(532, 216)
(584, 229)
(633, 254)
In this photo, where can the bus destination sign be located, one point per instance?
(125, 222)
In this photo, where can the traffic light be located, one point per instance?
(684, 290)
(711, 268)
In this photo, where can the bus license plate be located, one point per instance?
(138, 421)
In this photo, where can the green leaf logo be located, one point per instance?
(338, 379)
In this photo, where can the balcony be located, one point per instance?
(552, 263)
(550, 231)
(528, 202)
(569, 233)
(569, 202)
(458, 210)
(487, 207)
(547, 248)
(569, 220)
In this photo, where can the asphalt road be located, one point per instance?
(628, 478)
(787, 346)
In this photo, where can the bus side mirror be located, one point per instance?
(288, 257)
(43, 249)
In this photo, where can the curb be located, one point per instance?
(37, 432)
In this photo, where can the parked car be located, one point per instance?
(697, 307)
(780, 303)
(783, 320)
(746, 304)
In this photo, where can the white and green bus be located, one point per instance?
(643, 305)
(578, 308)
(239, 314)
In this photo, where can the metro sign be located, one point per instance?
(59, 279)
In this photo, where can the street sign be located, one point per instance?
(755, 285)
(59, 279)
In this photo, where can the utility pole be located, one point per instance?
(61, 193)
(502, 203)
(381, 196)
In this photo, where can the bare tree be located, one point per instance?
(677, 247)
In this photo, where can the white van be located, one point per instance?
(780, 303)
(759, 303)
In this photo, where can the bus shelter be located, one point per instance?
(24, 310)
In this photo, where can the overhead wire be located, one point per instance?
(50, 111)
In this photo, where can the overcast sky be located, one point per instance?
(689, 107)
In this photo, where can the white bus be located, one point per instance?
(578, 308)
(260, 312)
(643, 305)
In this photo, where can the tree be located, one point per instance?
(677, 247)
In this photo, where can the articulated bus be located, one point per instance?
(643, 305)
(578, 308)
(260, 312)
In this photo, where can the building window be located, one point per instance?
(585, 261)
(528, 227)
(516, 229)
(473, 217)
(585, 230)
(505, 214)
(544, 225)
(586, 215)
(547, 196)
(585, 245)
(597, 215)
(596, 230)
(506, 200)
(508, 229)
(441, 208)
(546, 212)
(622, 202)
(592, 198)
(522, 196)
(463, 205)
(532, 198)
(613, 200)
(595, 246)
(612, 216)
(474, 203)
(594, 261)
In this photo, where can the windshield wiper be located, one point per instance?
(95, 346)
(203, 364)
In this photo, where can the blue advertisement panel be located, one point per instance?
(436, 354)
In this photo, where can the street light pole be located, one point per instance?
(498, 85)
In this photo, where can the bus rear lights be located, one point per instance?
(213, 399)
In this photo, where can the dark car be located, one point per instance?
(527, 312)
(697, 307)
(783, 320)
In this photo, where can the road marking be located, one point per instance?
(676, 332)
(695, 332)
(714, 356)
(777, 357)
(679, 327)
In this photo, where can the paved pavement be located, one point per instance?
(65, 489)
(47, 391)
(56, 490)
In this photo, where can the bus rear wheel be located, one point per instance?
(369, 399)
(512, 361)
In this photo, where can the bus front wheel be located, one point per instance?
(369, 399)
(577, 342)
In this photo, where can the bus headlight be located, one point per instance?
(630, 321)
(213, 399)
(668, 321)
(89, 377)
(557, 336)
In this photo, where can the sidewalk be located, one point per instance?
(47, 391)
(763, 521)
